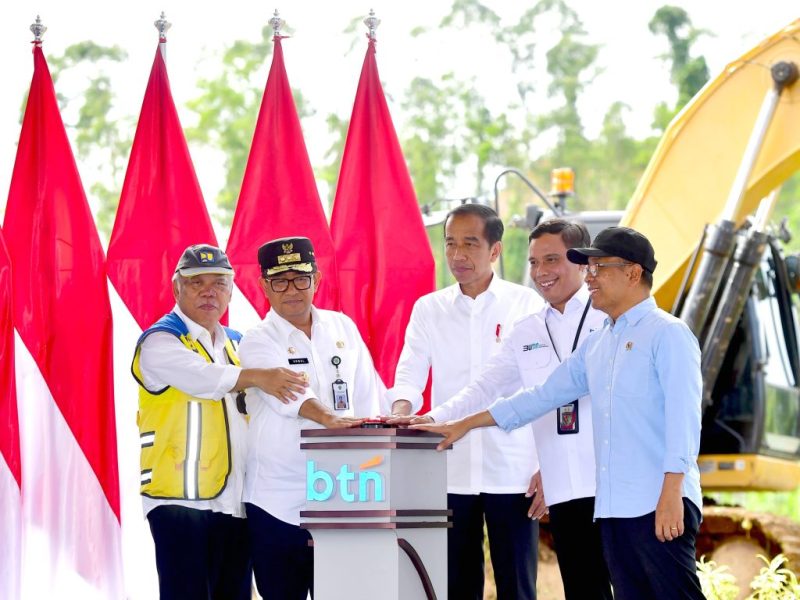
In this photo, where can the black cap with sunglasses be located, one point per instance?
(623, 242)
(287, 254)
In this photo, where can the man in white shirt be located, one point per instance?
(537, 345)
(193, 438)
(325, 348)
(454, 332)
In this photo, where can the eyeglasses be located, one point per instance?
(594, 269)
(302, 282)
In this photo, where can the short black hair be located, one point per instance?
(647, 277)
(573, 233)
(492, 224)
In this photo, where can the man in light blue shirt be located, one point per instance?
(642, 370)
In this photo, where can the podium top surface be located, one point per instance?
(369, 432)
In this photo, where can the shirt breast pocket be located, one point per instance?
(536, 359)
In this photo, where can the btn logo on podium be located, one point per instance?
(320, 484)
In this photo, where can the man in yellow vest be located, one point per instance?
(192, 436)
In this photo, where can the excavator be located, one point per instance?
(705, 201)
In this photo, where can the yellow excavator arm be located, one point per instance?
(687, 181)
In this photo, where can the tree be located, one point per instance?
(329, 172)
(688, 73)
(227, 109)
(102, 137)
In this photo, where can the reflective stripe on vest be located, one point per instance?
(193, 431)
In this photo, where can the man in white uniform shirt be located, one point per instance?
(537, 345)
(454, 332)
(192, 436)
(326, 349)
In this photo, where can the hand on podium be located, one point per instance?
(455, 430)
(409, 419)
(315, 411)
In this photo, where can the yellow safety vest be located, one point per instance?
(185, 440)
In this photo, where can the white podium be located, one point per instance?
(376, 507)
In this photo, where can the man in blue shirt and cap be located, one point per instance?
(642, 370)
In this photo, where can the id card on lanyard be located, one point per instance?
(567, 417)
(341, 399)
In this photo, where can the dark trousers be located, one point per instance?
(283, 562)
(643, 567)
(200, 554)
(576, 537)
(513, 545)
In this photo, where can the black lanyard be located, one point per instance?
(577, 333)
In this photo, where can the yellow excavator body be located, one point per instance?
(686, 186)
(687, 181)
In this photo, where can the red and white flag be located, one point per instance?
(161, 212)
(70, 483)
(161, 209)
(279, 196)
(382, 250)
(10, 470)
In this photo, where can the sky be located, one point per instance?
(324, 63)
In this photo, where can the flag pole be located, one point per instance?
(163, 26)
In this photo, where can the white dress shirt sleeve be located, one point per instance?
(259, 352)
(500, 377)
(414, 364)
(165, 361)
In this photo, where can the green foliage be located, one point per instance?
(688, 73)
(453, 141)
(443, 275)
(608, 167)
(716, 581)
(774, 581)
(788, 205)
(329, 172)
(101, 137)
(227, 109)
(467, 12)
(785, 504)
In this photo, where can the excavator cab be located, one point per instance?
(756, 398)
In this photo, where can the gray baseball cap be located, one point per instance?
(203, 259)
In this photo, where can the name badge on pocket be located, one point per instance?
(567, 416)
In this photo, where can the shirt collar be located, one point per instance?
(285, 328)
(196, 330)
(493, 290)
(636, 313)
(576, 303)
